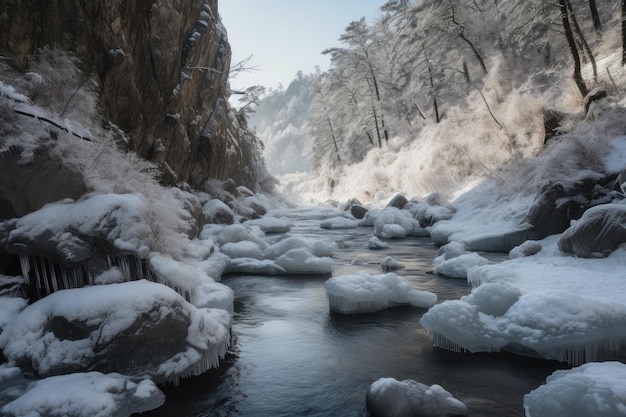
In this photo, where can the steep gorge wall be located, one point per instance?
(162, 73)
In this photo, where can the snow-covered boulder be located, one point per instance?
(390, 220)
(358, 211)
(388, 397)
(376, 243)
(70, 232)
(134, 328)
(90, 394)
(454, 262)
(218, 212)
(600, 231)
(390, 264)
(365, 293)
(593, 389)
(398, 201)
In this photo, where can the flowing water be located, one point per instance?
(292, 357)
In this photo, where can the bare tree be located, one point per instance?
(578, 78)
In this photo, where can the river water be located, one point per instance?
(292, 357)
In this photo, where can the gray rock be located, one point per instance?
(358, 211)
(399, 201)
(600, 231)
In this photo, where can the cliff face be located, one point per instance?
(161, 68)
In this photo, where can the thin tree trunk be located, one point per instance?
(578, 78)
(380, 142)
(583, 40)
(623, 32)
(595, 16)
(476, 53)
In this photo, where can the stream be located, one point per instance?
(292, 357)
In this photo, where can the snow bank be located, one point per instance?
(269, 224)
(592, 389)
(392, 398)
(90, 394)
(551, 305)
(365, 293)
(136, 327)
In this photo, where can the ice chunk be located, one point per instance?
(388, 397)
(376, 243)
(270, 224)
(301, 261)
(592, 389)
(393, 231)
(390, 264)
(454, 262)
(458, 267)
(238, 232)
(90, 394)
(243, 249)
(339, 223)
(365, 293)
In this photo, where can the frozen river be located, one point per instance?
(292, 357)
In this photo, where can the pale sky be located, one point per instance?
(285, 36)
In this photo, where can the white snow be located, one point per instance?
(339, 222)
(108, 310)
(557, 306)
(269, 224)
(376, 243)
(365, 293)
(10, 307)
(389, 397)
(455, 262)
(593, 389)
(90, 394)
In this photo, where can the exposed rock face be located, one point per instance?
(27, 187)
(162, 70)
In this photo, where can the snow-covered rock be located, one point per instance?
(135, 328)
(600, 231)
(269, 224)
(376, 243)
(388, 397)
(454, 262)
(339, 223)
(90, 394)
(217, 211)
(70, 232)
(528, 248)
(365, 293)
(550, 305)
(593, 389)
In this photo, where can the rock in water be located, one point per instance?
(389, 397)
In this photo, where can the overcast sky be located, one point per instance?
(285, 36)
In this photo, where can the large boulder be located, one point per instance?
(600, 231)
(558, 204)
(133, 328)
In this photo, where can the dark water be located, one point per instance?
(291, 357)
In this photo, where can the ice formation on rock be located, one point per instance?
(454, 262)
(135, 328)
(593, 389)
(388, 397)
(365, 293)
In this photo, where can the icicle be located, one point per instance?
(443, 342)
(25, 266)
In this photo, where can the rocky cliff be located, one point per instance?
(161, 68)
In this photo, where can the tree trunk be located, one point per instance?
(578, 78)
(595, 16)
(476, 53)
(586, 47)
(623, 32)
